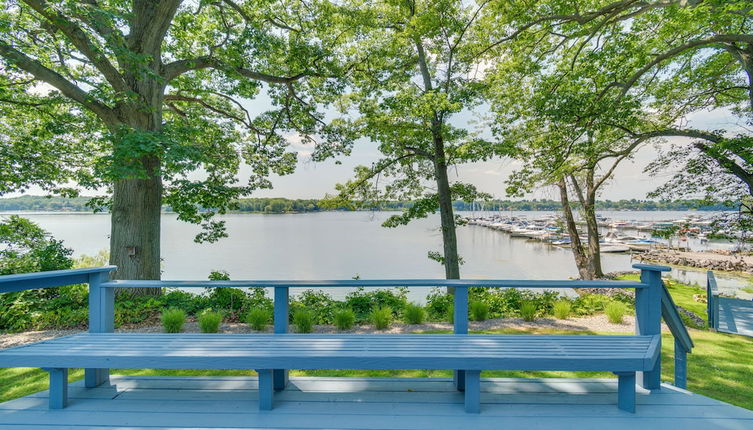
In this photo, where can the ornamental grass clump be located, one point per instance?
(173, 320)
(615, 312)
(414, 314)
(528, 311)
(479, 311)
(562, 309)
(344, 319)
(209, 321)
(258, 318)
(303, 320)
(381, 317)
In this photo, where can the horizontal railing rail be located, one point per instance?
(381, 283)
(648, 300)
(712, 301)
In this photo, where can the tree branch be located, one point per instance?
(172, 70)
(81, 41)
(70, 90)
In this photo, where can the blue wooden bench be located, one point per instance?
(100, 349)
(623, 355)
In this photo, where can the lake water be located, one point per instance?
(341, 245)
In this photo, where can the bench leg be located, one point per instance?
(626, 391)
(266, 389)
(96, 377)
(281, 379)
(473, 391)
(58, 388)
(458, 377)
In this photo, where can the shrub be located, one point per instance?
(381, 317)
(303, 320)
(258, 318)
(414, 314)
(562, 309)
(363, 302)
(528, 311)
(209, 322)
(173, 320)
(479, 311)
(344, 319)
(615, 311)
(323, 304)
(437, 304)
(451, 313)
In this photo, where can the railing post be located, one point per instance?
(101, 320)
(281, 312)
(460, 321)
(648, 316)
(681, 365)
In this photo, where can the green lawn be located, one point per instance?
(721, 365)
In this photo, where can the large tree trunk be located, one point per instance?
(589, 213)
(135, 230)
(449, 238)
(585, 269)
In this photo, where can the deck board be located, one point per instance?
(139, 402)
(736, 316)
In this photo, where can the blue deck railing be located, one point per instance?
(712, 301)
(652, 302)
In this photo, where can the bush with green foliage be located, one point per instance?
(562, 309)
(173, 320)
(303, 320)
(381, 317)
(209, 321)
(414, 314)
(479, 311)
(615, 312)
(528, 311)
(362, 302)
(344, 319)
(258, 318)
(439, 304)
(322, 302)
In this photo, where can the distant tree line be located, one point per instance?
(283, 205)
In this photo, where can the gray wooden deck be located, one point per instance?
(736, 316)
(363, 403)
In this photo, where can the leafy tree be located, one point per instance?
(419, 73)
(137, 97)
(25, 247)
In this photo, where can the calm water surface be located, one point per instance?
(341, 245)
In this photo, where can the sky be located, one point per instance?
(312, 180)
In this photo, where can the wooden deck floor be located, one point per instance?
(362, 403)
(736, 316)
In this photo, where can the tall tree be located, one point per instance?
(157, 88)
(420, 73)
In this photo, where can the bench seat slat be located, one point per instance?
(488, 352)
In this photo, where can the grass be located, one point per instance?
(562, 309)
(615, 312)
(414, 314)
(303, 320)
(479, 311)
(381, 317)
(344, 319)
(173, 320)
(258, 318)
(209, 322)
(528, 311)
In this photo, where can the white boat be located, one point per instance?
(614, 248)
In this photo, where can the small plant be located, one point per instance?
(479, 311)
(303, 320)
(344, 319)
(173, 320)
(451, 313)
(562, 309)
(615, 311)
(414, 314)
(209, 322)
(381, 317)
(258, 318)
(528, 311)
